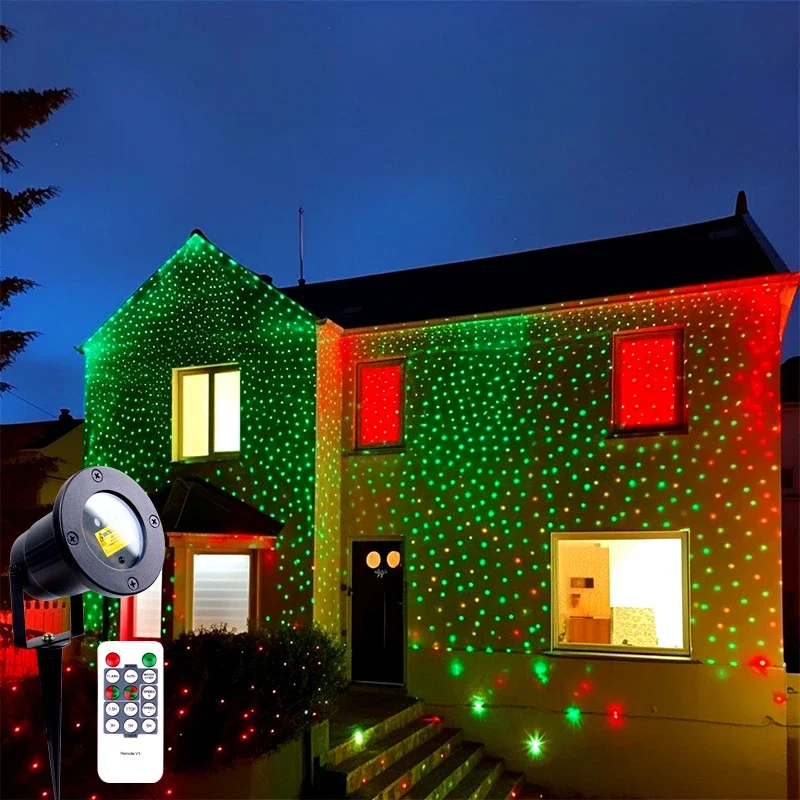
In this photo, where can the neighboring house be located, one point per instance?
(37, 458)
(538, 490)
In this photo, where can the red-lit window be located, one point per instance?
(379, 421)
(648, 380)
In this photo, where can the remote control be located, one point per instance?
(130, 712)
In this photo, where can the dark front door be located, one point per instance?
(378, 619)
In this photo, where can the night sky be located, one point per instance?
(412, 134)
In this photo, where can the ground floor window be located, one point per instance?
(621, 592)
(221, 590)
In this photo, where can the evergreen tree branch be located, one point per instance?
(16, 208)
(12, 343)
(13, 285)
(22, 110)
(7, 162)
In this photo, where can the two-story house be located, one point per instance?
(540, 490)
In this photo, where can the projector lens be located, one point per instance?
(112, 530)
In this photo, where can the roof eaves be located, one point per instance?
(778, 264)
(551, 308)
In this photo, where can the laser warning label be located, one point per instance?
(111, 540)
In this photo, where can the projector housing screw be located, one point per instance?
(97, 476)
(72, 538)
(133, 584)
(153, 521)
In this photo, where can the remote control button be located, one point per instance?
(149, 725)
(148, 659)
(130, 709)
(112, 659)
(112, 709)
(148, 692)
(112, 725)
(112, 692)
(130, 693)
(131, 675)
(131, 725)
(149, 676)
(149, 709)
(112, 675)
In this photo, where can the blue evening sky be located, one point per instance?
(412, 134)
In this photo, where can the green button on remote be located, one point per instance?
(148, 659)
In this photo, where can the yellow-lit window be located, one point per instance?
(206, 412)
(623, 592)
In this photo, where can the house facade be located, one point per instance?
(541, 491)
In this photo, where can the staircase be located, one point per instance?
(384, 747)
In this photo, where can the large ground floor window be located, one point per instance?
(621, 592)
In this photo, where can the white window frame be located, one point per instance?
(252, 601)
(177, 412)
(610, 649)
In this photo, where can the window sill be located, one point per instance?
(604, 655)
(207, 459)
(638, 434)
(375, 451)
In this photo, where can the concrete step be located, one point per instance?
(445, 777)
(508, 787)
(396, 780)
(378, 754)
(371, 724)
(479, 782)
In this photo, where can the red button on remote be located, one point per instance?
(112, 659)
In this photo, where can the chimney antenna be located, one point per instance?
(302, 281)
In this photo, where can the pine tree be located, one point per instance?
(20, 112)
(23, 473)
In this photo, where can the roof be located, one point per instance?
(188, 505)
(790, 380)
(36, 435)
(707, 252)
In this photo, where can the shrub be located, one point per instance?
(253, 691)
(228, 697)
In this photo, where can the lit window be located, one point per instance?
(221, 591)
(648, 380)
(379, 420)
(147, 612)
(621, 592)
(206, 419)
